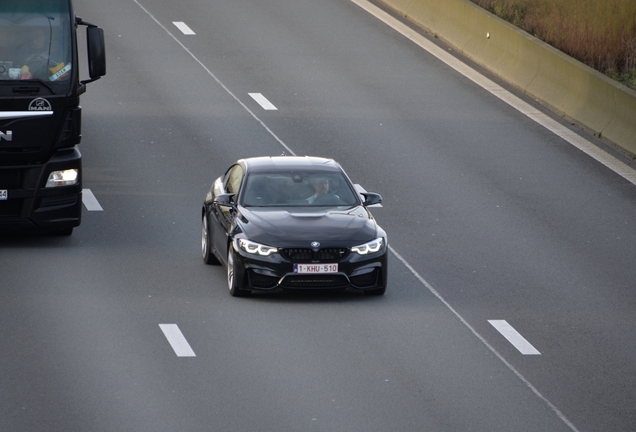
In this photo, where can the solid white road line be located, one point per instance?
(555, 127)
(177, 340)
(514, 337)
(483, 340)
(215, 78)
(90, 202)
(183, 27)
(262, 101)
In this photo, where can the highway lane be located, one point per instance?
(503, 219)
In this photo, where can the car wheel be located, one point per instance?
(235, 291)
(206, 243)
(375, 291)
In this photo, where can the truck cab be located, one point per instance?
(40, 115)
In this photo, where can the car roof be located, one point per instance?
(290, 163)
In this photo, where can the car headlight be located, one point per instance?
(67, 177)
(370, 247)
(256, 248)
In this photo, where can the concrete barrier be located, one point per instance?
(569, 87)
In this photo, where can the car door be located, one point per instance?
(223, 214)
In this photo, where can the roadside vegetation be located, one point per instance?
(599, 33)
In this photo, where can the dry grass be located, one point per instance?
(599, 33)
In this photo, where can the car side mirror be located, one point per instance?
(371, 198)
(224, 200)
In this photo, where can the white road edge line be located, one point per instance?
(177, 340)
(262, 101)
(90, 202)
(184, 28)
(415, 273)
(514, 337)
(555, 127)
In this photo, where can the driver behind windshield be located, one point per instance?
(33, 58)
(321, 186)
(33, 54)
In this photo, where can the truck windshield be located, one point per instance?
(35, 41)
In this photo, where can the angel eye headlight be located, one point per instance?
(256, 248)
(370, 247)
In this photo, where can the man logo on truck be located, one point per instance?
(7, 136)
(39, 104)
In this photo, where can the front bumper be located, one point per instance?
(276, 273)
(32, 206)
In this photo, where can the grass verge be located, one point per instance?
(599, 33)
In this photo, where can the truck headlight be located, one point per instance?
(67, 177)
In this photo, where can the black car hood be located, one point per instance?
(298, 227)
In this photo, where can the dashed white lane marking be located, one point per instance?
(262, 101)
(90, 202)
(183, 27)
(176, 339)
(514, 337)
(552, 125)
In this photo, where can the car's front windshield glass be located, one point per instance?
(35, 41)
(298, 189)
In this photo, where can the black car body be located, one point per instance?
(293, 223)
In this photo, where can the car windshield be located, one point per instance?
(35, 41)
(298, 189)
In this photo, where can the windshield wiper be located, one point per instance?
(31, 89)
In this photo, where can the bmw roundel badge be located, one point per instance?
(315, 244)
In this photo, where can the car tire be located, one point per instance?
(235, 291)
(375, 291)
(206, 243)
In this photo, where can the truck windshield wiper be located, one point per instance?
(32, 89)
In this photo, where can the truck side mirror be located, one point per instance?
(96, 52)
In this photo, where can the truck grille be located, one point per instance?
(9, 178)
(55, 202)
(10, 209)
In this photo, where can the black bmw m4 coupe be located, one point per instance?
(293, 223)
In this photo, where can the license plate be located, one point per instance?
(315, 268)
(4, 194)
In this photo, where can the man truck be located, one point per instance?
(40, 115)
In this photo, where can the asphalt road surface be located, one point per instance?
(511, 299)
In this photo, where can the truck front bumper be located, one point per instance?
(29, 204)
